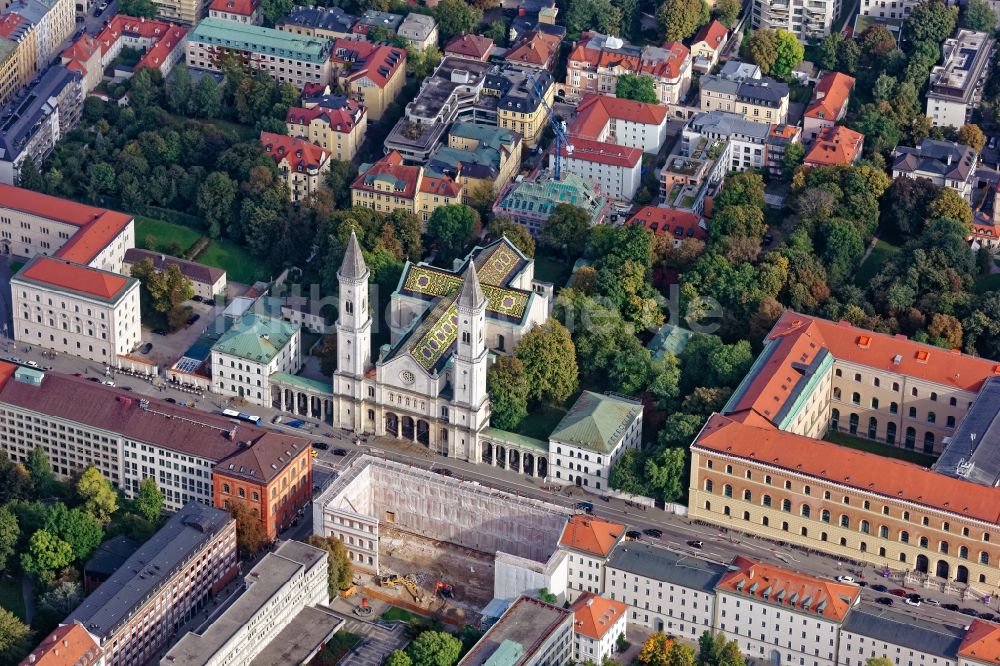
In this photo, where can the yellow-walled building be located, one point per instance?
(389, 185)
(372, 74)
(519, 108)
(334, 123)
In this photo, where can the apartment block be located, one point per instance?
(185, 12)
(67, 644)
(302, 165)
(680, 225)
(598, 623)
(477, 157)
(617, 170)
(420, 30)
(828, 105)
(535, 49)
(597, 60)
(286, 58)
(622, 122)
(84, 57)
(588, 542)
(388, 185)
(835, 146)
(51, 21)
(241, 11)
(277, 607)
(529, 633)
(807, 19)
(321, 22)
(944, 163)
(250, 352)
(956, 85)
(760, 100)
(165, 583)
(334, 123)
(372, 74)
(161, 43)
(902, 637)
(707, 46)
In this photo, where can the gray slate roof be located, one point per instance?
(893, 627)
(724, 123)
(657, 563)
(353, 266)
(762, 92)
(931, 157)
(974, 451)
(333, 19)
(23, 114)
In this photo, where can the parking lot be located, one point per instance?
(168, 348)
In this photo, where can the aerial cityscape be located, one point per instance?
(499, 333)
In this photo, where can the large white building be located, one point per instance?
(956, 85)
(588, 542)
(616, 170)
(246, 356)
(623, 122)
(430, 385)
(597, 624)
(278, 607)
(870, 632)
(591, 436)
(75, 309)
(806, 19)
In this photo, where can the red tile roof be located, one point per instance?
(834, 146)
(391, 169)
(790, 589)
(301, 155)
(67, 645)
(535, 48)
(677, 53)
(981, 642)
(669, 221)
(594, 615)
(80, 52)
(470, 46)
(76, 278)
(254, 462)
(591, 535)
(602, 153)
(595, 111)
(376, 62)
(868, 472)
(166, 37)
(832, 92)
(713, 34)
(443, 186)
(341, 119)
(9, 23)
(669, 67)
(241, 7)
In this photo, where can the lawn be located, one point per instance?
(10, 596)
(541, 422)
(237, 262)
(552, 269)
(881, 449)
(986, 283)
(244, 132)
(395, 613)
(163, 233)
(873, 264)
(335, 650)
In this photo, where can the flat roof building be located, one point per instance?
(956, 85)
(529, 633)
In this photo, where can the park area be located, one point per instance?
(181, 240)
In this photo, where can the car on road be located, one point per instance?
(845, 579)
(198, 298)
(885, 601)
(323, 446)
(993, 143)
(443, 471)
(277, 419)
(914, 596)
(899, 592)
(911, 602)
(93, 379)
(932, 602)
(968, 611)
(172, 401)
(633, 535)
(879, 588)
(990, 617)
(81, 19)
(696, 544)
(951, 607)
(210, 302)
(193, 318)
(653, 532)
(146, 348)
(125, 388)
(340, 452)
(33, 364)
(108, 382)
(586, 507)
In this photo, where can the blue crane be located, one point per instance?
(557, 127)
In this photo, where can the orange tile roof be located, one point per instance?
(470, 46)
(835, 146)
(677, 53)
(241, 7)
(9, 24)
(981, 642)
(832, 92)
(74, 277)
(790, 589)
(591, 535)
(868, 472)
(669, 67)
(594, 615)
(668, 221)
(602, 153)
(301, 155)
(713, 34)
(535, 48)
(68, 644)
(390, 167)
(79, 52)
(376, 62)
(595, 111)
(6, 372)
(341, 119)
(166, 37)
(443, 186)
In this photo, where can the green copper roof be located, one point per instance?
(255, 338)
(596, 422)
(540, 197)
(302, 382)
(508, 653)
(264, 41)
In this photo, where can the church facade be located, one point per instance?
(429, 384)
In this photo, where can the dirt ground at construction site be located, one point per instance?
(469, 572)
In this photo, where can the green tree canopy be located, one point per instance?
(727, 12)
(250, 533)
(679, 19)
(149, 501)
(789, 53)
(456, 16)
(979, 16)
(77, 528)
(452, 227)
(950, 204)
(763, 48)
(639, 87)
(10, 533)
(40, 469)
(972, 136)
(566, 230)
(517, 234)
(97, 494)
(930, 20)
(398, 658)
(15, 638)
(47, 554)
(549, 359)
(340, 572)
(508, 387)
(434, 648)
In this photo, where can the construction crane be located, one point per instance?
(557, 127)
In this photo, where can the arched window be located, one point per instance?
(893, 408)
(857, 376)
(806, 511)
(747, 496)
(766, 500)
(911, 437)
(746, 515)
(950, 422)
(928, 442)
(845, 521)
(727, 490)
(865, 527)
(984, 557)
(786, 505)
(902, 557)
(904, 536)
(890, 432)
(874, 403)
(834, 418)
(883, 532)
(963, 552)
(943, 547)
(913, 412)
(853, 424)
(931, 417)
(708, 485)
(838, 372)
(872, 427)
(856, 398)
(923, 542)
(836, 394)
(824, 516)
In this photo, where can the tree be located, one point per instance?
(715, 650)
(342, 173)
(972, 136)
(789, 52)
(566, 230)
(456, 16)
(639, 87)
(763, 48)
(829, 51)
(508, 388)
(137, 8)
(250, 534)
(626, 473)
(274, 10)
(100, 180)
(61, 600)
(945, 331)
(879, 661)
(792, 159)
(15, 484)
(77, 528)
(40, 470)
(452, 227)
(206, 98)
(848, 56)
(655, 650)
(600, 15)
(15, 638)
(679, 18)
(949, 204)
(741, 189)
(398, 658)
(29, 177)
(215, 202)
(516, 233)
(547, 596)
(666, 475)
(727, 12)
(930, 20)
(979, 16)
(549, 360)
(179, 89)
(9, 535)
(435, 648)
(99, 497)
(340, 571)
(497, 31)
(47, 554)
(681, 655)
(149, 501)
(905, 206)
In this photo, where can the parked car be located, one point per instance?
(33, 364)
(93, 379)
(340, 452)
(653, 532)
(914, 596)
(968, 611)
(885, 601)
(210, 302)
(108, 382)
(160, 331)
(898, 592)
(951, 607)
(193, 318)
(276, 419)
(633, 535)
(198, 298)
(146, 348)
(696, 544)
(993, 143)
(443, 471)
(586, 507)
(911, 602)
(323, 446)
(880, 588)
(932, 602)
(172, 401)
(126, 388)
(845, 579)
(988, 616)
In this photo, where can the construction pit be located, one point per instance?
(407, 529)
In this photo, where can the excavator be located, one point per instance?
(392, 580)
(444, 590)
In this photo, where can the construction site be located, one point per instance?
(428, 543)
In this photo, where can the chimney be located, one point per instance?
(949, 159)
